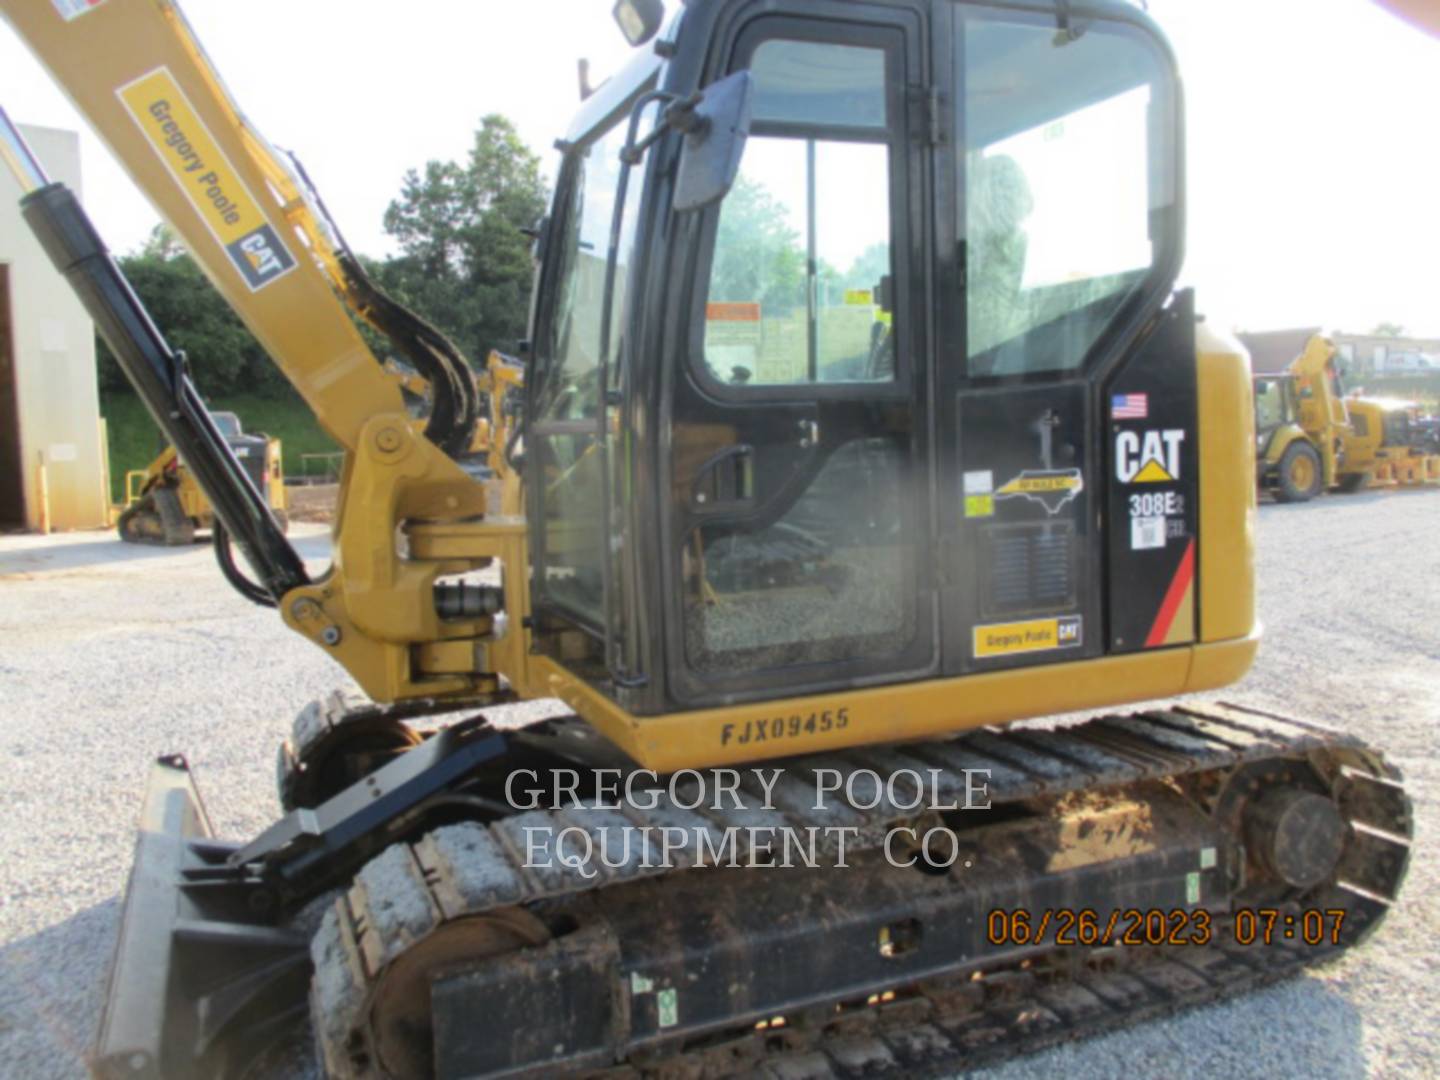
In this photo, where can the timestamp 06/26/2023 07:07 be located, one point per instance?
(1158, 926)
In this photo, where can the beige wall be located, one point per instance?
(54, 350)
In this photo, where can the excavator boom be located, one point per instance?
(135, 71)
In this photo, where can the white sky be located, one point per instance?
(1313, 165)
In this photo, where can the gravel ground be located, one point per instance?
(113, 654)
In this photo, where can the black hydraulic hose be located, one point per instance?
(455, 408)
(159, 377)
(455, 404)
(233, 574)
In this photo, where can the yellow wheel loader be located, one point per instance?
(1290, 463)
(1311, 437)
(791, 575)
(164, 504)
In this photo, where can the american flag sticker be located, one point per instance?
(1129, 406)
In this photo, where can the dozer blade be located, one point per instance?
(201, 982)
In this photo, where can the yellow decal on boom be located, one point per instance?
(207, 178)
(1035, 635)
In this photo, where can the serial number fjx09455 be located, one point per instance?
(1155, 926)
(785, 727)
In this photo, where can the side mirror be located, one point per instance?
(714, 142)
(639, 20)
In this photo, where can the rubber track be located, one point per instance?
(410, 890)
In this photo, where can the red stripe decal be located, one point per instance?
(1173, 596)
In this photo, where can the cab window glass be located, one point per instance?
(802, 269)
(832, 579)
(569, 389)
(569, 462)
(1067, 187)
(806, 82)
(1269, 404)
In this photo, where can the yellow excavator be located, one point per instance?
(1312, 438)
(860, 418)
(164, 504)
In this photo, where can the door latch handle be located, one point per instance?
(809, 433)
(727, 479)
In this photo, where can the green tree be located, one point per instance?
(464, 262)
(759, 254)
(194, 318)
(870, 266)
(1388, 329)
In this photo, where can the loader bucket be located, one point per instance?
(201, 982)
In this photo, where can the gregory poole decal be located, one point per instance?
(1148, 457)
(205, 175)
(1033, 635)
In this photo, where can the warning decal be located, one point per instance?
(732, 313)
(207, 178)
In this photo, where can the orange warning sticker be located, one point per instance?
(732, 312)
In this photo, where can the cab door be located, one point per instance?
(800, 516)
(1065, 227)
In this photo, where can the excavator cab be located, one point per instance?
(873, 415)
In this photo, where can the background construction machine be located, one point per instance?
(1311, 438)
(1388, 442)
(1041, 500)
(164, 504)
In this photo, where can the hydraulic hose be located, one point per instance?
(233, 574)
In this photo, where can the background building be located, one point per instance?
(50, 431)
(1271, 351)
(1388, 355)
